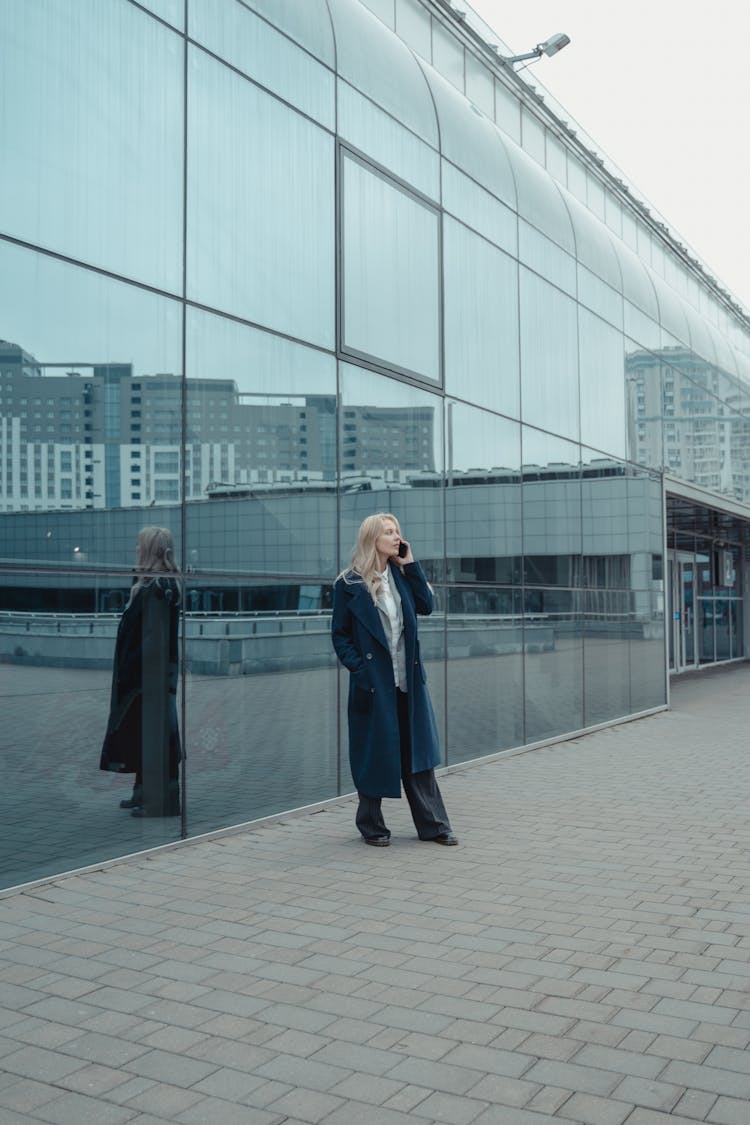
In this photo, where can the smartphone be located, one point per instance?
(402, 549)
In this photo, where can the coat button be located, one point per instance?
(369, 656)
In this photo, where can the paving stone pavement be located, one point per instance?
(583, 956)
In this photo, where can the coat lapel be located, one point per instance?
(365, 610)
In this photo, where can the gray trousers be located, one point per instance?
(421, 789)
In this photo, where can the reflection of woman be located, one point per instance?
(392, 731)
(142, 735)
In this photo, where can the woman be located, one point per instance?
(392, 732)
(142, 735)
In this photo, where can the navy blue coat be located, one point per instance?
(361, 646)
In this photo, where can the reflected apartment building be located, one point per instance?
(310, 261)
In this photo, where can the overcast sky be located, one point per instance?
(663, 87)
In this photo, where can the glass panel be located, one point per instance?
(532, 136)
(173, 11)
(577, 179)
(556, 158)
(636, 281)
(602, 374)
(391, 460)
(105, 186)
(470, 141)
(613, 214)
(260, 661)
(743, 366)
(84, 465)
(546, 258)
(606, 655)
(732, 391)
(246, 148)
(507, 111)
(447, 55)
(700, 421)
(391, 283)
(648, 653)
(251, 45)
(611, 562)
(481, 320)
(374, 60)
(641, 327)
(377, 134)
(671, 313)
(482, 499)
(690, 610)
(553, 663)
(485, 671)
(651, 441)
(725, 354)
(595, 195)
(480, 210)
(539, 199)
(738, 459)
(480, 89)
(261, 468)
(413, 25)
(549, 356)
(600, 297)
(720, 609)
(309, 24)
(644, 244)
(383, 9)
(261, 453)
(646, 531)
(629, 230)
(701, 338)
(80, 432)
(55, 699)
(594, 247)
(551, 510)
(648, 641)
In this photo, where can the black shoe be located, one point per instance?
(134, 800)
(446, 838)
(171, 807)
(377, 841)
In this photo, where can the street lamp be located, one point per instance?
(550, 47)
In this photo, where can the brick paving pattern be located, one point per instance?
(583, 956)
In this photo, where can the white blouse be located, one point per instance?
(396, 623)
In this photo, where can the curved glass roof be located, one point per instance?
(637, 285)
(701, 340)
(470, 140)
(743, 365)
(726, 357)
(594, 247)
(671, 310)
(539, 199)
(309, 24)
(380, 65)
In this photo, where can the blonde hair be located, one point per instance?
(154, 555)
(364, 565)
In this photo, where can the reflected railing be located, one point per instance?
(254, 644)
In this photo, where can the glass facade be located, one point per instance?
(267, 267)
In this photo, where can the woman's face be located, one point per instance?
(387, 542)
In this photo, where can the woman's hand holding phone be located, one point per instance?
(404, 551)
